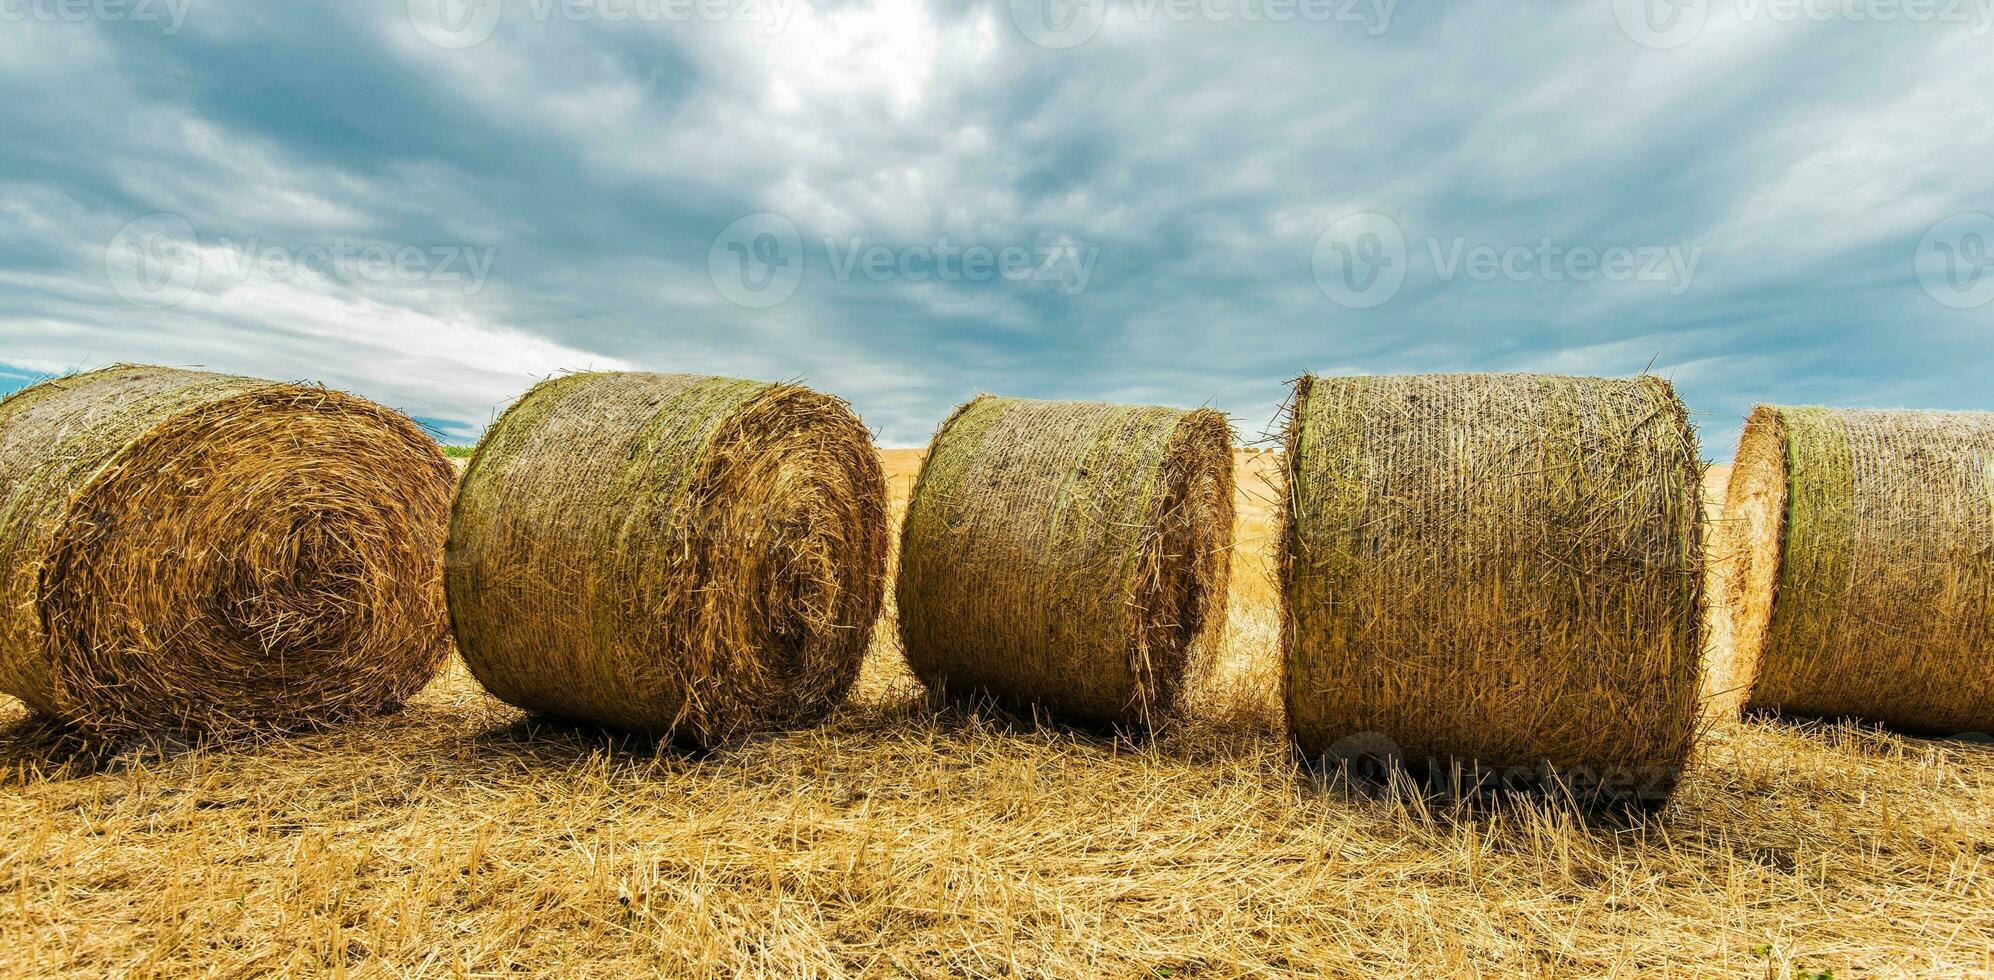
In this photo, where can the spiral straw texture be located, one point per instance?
(692, 557)
(191, 552)
(1494, 572)
(1859, 551)
(1073, 555)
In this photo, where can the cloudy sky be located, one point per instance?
(436, 202)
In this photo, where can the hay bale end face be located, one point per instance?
(1495, 574)
(1072, 555)
(1859, 550)
(1744, 561)
(190, 552)
(687, 556)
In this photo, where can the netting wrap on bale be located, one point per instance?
(1859, 565)
(191, 552)
(1072, 555)
(682, 555)
(1494, 577)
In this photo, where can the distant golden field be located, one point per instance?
(458, 839)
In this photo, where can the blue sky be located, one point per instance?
(904, 203)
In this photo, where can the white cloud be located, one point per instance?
(452, 366)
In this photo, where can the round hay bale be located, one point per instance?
(1859, 551)
(190, 552)
(1496, 578)
(687, 556)
(1072, 555)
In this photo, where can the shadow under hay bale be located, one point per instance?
(1494, 581)
(1069, 555)
(184, 551)
(1859, 566)
(549, 740)
(693, 557)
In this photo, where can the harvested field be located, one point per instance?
(458, 839)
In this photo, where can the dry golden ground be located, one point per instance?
(457, 839)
